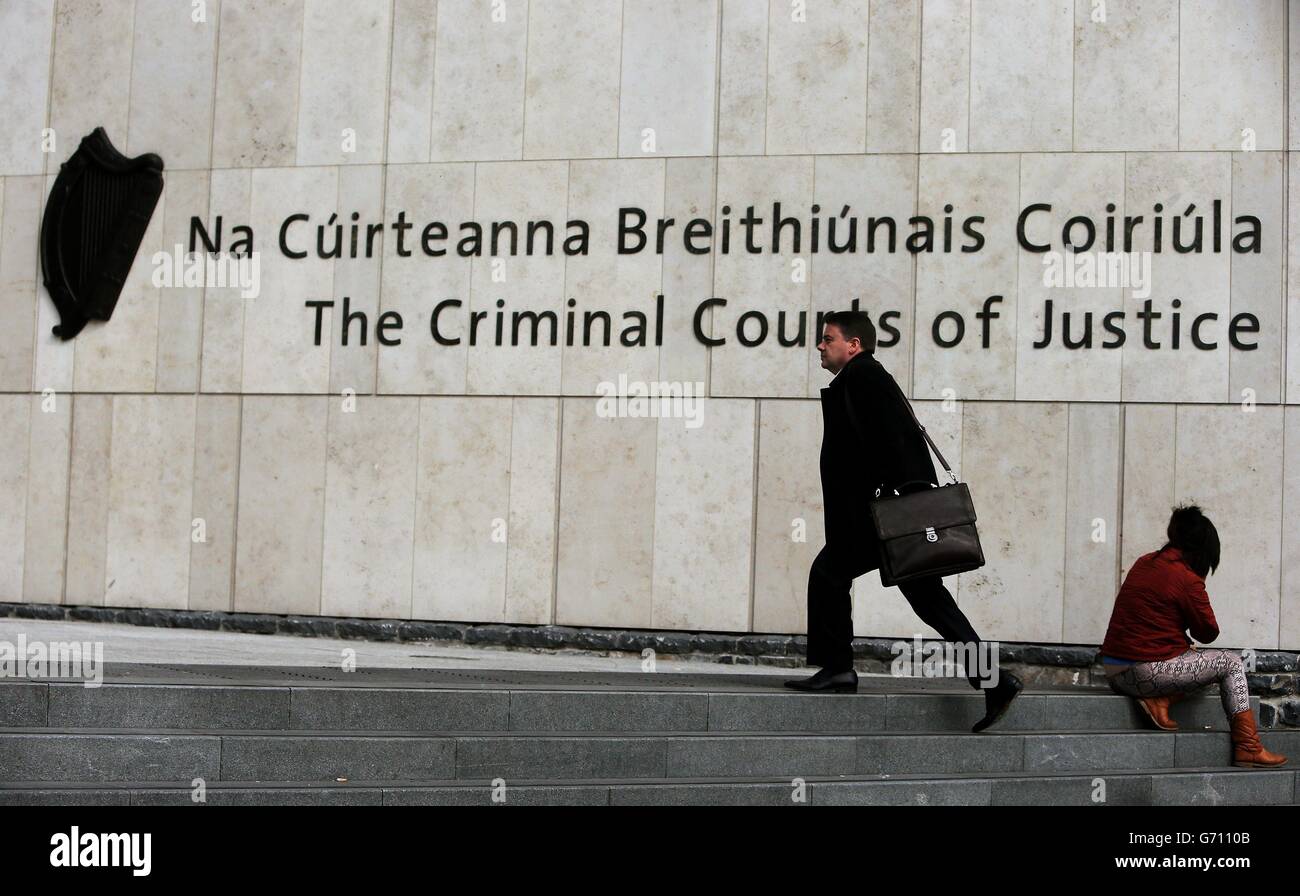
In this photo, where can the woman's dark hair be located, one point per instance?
(1192, 532)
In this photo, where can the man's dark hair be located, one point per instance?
(854, 323)
(1192, 532)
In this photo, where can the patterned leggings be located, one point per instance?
(1187, 672)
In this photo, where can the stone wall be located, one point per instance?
(200, 451)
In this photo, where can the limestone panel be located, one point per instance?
(623, 286)
(817, 78)
(606, 548)
(150, 489)
(410, 82)
(773, 283)
(1197, 281)
(1021, 96)
(370, 476)
(173, 63)
(89, 472)
(1091, 520)
(1019, 593)
(25, 41)
(1227, 462)
(216, 498)
(669, 78)
(1230, 75)
(945, 75)
(1074, 185)
(510, 280)
(478, 80)
(21, 199)
(571, 106)
(790, 527)
(704, 488)
(1126, 76)
(963, 282)
(462, 511)
(343, 89)
(47, 498)
(258, 64)
(415, 282)
(742, 79)
(893, 78)
(92, 63)
(282, 456)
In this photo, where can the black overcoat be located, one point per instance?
(890, 450)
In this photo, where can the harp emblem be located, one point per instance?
(94, 221)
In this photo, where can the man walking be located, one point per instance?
(889, 449)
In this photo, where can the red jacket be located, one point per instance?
(1161, 599)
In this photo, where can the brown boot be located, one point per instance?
(1157, 710)
(1247, 751)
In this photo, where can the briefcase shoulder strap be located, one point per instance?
(857, 428)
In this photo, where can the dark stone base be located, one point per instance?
(1276, 676)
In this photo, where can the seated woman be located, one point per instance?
(1147, 654)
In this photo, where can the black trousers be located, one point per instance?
(830, 608)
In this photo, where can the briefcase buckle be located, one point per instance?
(930, 535)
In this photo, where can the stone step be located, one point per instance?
(1166, 787)
(324, 706)
(86, 755)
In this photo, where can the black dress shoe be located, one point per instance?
(998, 699)
(825, 680)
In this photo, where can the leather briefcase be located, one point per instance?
(925, 530)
